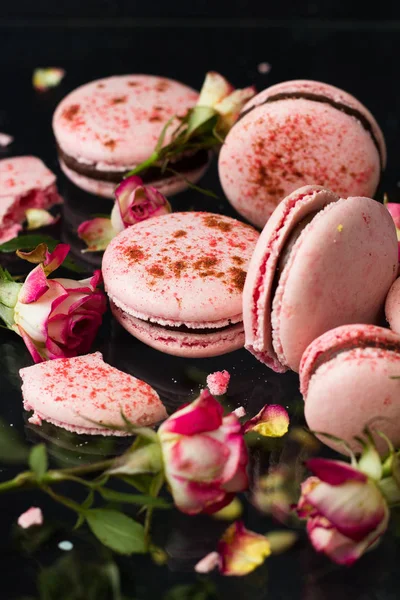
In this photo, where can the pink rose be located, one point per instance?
(204, 455)
(57, 318)
(345, 510)
(135, 202)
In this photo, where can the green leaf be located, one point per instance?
(30, 242)
(137, 499)
(139, 482)
(38, 461)
(116, 531)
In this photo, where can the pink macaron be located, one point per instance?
(82, 393)
(349, 380)
(297, 133)
(25, 182)
(392, 306)
(175, 282)
(320, 262)
(107, 127)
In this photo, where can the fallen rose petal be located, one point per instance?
(218, 382)
(5, 140)
(208, 563)
(271, 421)
(46, 78)
(241, 550)
(33, 516)
(96, 233)
(231, 512)
(282, 540)
(38, 217)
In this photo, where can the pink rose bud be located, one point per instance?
(345, 510)
(57, 318)
(135, 202)
(217, 93)
(204, 455)
(33, 516)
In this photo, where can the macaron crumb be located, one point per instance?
(218, 382)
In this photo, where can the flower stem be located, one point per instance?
(62, 499)
(21, 480)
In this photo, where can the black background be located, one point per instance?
(354, 45)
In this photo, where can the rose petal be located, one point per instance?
(334, 472)
(229, 108)
(194, 497)
(208, 563)
(214, 89)
(46, 78)
(5, 140)
(33, 516)
(242, 551)
(96, 233)
(196, 454)
(271, 421)
(33, 350)
(56, 258)
(202, 415)
(38, 217)
(34, 287)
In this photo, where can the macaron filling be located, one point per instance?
(182, 165)
(349, 110)
(331, 353)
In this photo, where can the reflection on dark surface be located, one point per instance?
(348, 57)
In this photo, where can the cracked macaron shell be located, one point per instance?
(282, 145)
(348, 381)
(181, 269)
(339, 271)
(73, 392)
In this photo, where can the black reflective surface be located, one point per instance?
(362, 56)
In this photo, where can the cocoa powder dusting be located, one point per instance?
(238, 260)
(217, 223)
(238, 277)
(178, 266)
(180, 233)
(119, 100)
(134, 253)
(110, 144)
(156, 271)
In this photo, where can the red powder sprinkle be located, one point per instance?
(70, 113)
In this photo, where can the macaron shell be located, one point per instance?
(181, 268)
(339, 272)
(392, 306)
(337, 340)
(257, 293)
(321, 89)
(106, 189)
(73, 392)
(97, 122)
(355, 390)
(287, 144)
(185, 344)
